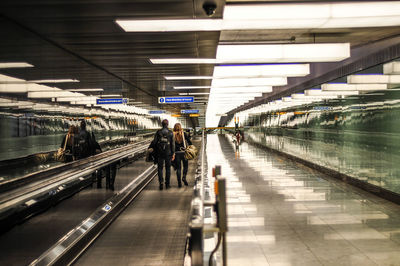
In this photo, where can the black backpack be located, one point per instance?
(163, 143)
(84, 147)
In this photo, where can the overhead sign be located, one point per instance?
(190, 111)
(176, 99)
(112, 101)
(176, 115)
(156, 112)
(194, 115)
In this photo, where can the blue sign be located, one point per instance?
(176, 99)
(111, 101)
(190, 111)
(107, 208)
(156, 112)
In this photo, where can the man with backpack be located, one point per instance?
(164, 145)
(84, 147)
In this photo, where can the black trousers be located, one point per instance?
(180, 160)
(161, 161)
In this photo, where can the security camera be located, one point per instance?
(209, 8)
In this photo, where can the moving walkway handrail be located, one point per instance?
(196, 223)
(44, 174)
(74, 243)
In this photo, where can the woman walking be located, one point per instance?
(182, 140)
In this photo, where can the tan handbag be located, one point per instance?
(60, 154)
(190, 151)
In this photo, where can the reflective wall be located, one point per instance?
(358, 135)
(25, 132)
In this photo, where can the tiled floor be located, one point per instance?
(282, 213)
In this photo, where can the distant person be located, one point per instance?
(182, 140)
(164, 145)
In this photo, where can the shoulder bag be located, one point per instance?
(61, 152)
(190, 151)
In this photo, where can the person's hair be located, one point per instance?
(178, 133)
(71, 130)
(164, 123)
(70, 135)
(83, 124)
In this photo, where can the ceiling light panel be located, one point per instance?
(170, 25)
(353, 87)
(263, 89)
(392, 68)
(191, 87)
(276, 70)
(53, 80)
(374, 79)
(315, 52)
(15, 65)
(312, 15)
(328, 93)
(243, 82)
(187, 77)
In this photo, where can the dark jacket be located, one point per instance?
(164, 142)
(180, 146)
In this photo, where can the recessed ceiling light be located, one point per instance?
(53, 80)
(244, 82)
(272, 70)
(187, 77)
(15, 65)
(191, 87)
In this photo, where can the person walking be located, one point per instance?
(165, 148)
(182, 140)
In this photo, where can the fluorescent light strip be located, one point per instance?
(328, 93)
(170, 25)
(15, 65)
(111, 95)
(274, 53)
(195, 93)
(87, 90)
(187, 77)
(280, 16)
(314, 52)
(353, 87)
(374, 79)
(310, 15)
(391, 68)
(191, 87)
(53, 80)
(244, 82)
(183, 61)
(276, 70)
(263, 89)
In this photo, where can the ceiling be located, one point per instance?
(79, 39)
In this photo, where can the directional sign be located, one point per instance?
(112, 101)
(156, 112)
(176, 99)
(177, 115)
(190, 111)
(194, 115)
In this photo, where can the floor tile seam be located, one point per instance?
(351, 244)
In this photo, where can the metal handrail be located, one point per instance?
(196, 223)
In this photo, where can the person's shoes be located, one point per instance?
(167, 186)
(161, 186)
(179, 184)
(185, 182)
